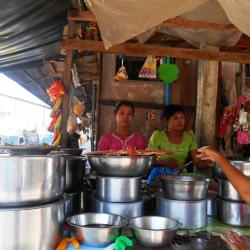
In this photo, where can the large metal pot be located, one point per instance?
(32, 228)
(75, 170)
(76, 203)
(243, 166)
(185, 188)
(123, 166)
(129, 210)
(154, 231)
(118, 189)
(30, 180)
(233, 213)
(96, 229)
(227, 191)
(191, 214)
(211, 203)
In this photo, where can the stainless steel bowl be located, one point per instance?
(191, 214)
(30, 180)
(233, 213)
(118, 189)
(33, 227)
(185, 188)
(96, 229)
(243, 166)
(154, 231)
(121, 166)
(227, 191)
(145, 206)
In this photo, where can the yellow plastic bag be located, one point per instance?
(148, 69)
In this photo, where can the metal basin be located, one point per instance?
(227, 191)
(32, 228)
(30, 180)
(154, 231)
(96, 229)
(123, 166)
(191, 214)
(185, 188)
(145, 206)
(233, 213)
(118, 189)
(243, 166)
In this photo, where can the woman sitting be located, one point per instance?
(176, 139)
(122, 137)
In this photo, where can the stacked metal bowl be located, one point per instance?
(118, 184)
(184, 199)
(231, 209)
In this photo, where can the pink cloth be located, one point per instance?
(111, 141)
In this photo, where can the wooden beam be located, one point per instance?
(177, 22)
(180, 22)
(142, 50)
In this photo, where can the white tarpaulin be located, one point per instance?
(120, 20)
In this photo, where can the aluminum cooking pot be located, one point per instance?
(184, 188)
(233, 213)
(243, 166)
(32, 228)
(118, 189)
(75, 170)
(30, 180)
(122, 166)
(191, 214)
(227, 191)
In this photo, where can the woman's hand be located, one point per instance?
(208, 154)
(235, 241)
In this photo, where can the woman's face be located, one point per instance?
(125, 116)
(176, 122)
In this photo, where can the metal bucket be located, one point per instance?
(30, 180)
(192, 214)
(33, 227)
(118, 189)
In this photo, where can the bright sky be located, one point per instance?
(11, 88)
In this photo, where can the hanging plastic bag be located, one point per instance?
(121, 74)
(148, 69)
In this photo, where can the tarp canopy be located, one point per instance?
(121, 20)
(30, 31)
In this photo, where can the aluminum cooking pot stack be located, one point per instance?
(231, 209)
(74, 178)
(32, 198)
(118, 185)
(184, 199)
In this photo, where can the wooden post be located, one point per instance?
(67, 83)
(207, 87)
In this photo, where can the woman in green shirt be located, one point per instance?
(183, 143)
